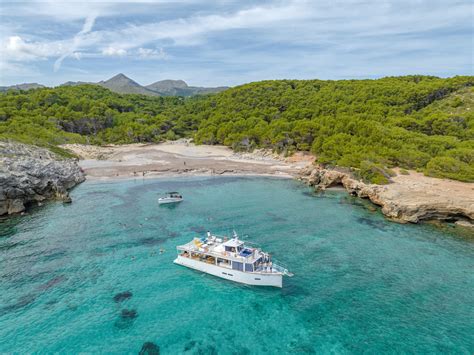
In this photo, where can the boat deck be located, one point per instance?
(217, 249)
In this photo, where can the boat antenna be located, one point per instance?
(235, 234)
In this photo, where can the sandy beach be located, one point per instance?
(182, 157)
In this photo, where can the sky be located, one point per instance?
(215, 42)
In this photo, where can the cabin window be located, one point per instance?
(249, 267)
(237, 266)
(223, 262)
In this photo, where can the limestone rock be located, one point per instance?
(408, 199)
(29, 174)
(465, 224)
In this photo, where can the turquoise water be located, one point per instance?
(361, 284)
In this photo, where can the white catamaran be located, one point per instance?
(231, 259)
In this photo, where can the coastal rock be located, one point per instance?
(409, 199)
(30, 174)
(465, 224)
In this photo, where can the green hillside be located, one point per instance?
(414, 122)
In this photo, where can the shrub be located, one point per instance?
(448, 167)
(375, 173)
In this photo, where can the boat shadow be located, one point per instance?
(170, 206)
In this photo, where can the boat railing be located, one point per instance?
(281, 267)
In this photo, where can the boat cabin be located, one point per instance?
(173, 194)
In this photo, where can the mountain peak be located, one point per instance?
(124, 85)
(167, 85)
(120, 78)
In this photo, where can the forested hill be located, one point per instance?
(414, 122)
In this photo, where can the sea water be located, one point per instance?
(361, 284)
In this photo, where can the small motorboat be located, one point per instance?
(171, 197)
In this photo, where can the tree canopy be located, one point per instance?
(413, 122)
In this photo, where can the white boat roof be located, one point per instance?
(233, 243)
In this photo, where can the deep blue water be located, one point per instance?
(361, 284)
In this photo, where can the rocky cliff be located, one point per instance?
(30, 174)
(409, 198)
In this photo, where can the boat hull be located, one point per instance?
(248, 278)
(169, 200)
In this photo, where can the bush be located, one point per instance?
(448, 167)
(375, 173)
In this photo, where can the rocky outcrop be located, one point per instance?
(405, 199)
(29, 174)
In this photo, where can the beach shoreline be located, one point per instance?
(182, 158)
(409, 198)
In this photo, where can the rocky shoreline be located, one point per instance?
(29, 175)
(422, 199)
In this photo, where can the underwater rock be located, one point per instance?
(129, 314)
(197, 229)
(371, 208)
(150, 241)
(208, 350)
(275, 218)
(465, 224)
(23, 301)
(149, 348)
(371, 223)
(52, 283)
(189, 345)
(127, 317)
(122, 296)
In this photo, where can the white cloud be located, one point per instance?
(114, 52)
(150, 53)
(186, 31)
(77, 40)
(17, 49)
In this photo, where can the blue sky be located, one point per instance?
(212, 43)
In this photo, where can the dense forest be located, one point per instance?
(412, 122)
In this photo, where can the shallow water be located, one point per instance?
(361, 284)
